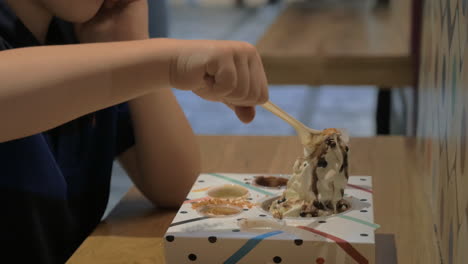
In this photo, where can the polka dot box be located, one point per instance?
(344, 238)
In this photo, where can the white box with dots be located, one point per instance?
(343, 238)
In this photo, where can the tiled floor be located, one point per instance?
(352, 108)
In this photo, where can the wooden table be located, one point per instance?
(342, 42)
(133, 232)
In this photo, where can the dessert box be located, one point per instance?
(225, 219)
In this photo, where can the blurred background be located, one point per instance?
(317, 107)
(320, 103)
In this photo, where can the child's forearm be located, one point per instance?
(43, 87)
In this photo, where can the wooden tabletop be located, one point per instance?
(348, 42)
(133, 231)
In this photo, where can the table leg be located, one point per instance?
(383, 3)
(240, 3)
(384, 102)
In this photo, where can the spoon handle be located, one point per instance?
(286, 117)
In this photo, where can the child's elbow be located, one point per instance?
(177, 189)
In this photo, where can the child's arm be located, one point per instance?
(165, 160)
(44, 87)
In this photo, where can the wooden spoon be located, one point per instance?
(302, 130)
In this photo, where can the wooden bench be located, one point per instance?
(341, 42)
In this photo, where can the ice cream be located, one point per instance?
(319, 178)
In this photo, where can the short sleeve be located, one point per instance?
(3, 44)
(125, 136)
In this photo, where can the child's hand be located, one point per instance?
(225, 71)
(116, 20)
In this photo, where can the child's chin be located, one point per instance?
(81, 11)
(78, 18)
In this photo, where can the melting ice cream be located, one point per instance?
(319, 178)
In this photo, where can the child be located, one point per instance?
(67, 110)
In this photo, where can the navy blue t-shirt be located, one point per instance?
(54, 186)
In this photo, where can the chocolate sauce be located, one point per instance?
(271, 181)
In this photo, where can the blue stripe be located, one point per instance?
(357, 220)
(251, 244)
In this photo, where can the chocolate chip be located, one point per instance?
(212, 239)
(322, 163)
(345, 162)
(343, 205)
(277, 259)
(319, 205)
(330, 142)
(342, 208)
(192, 257)
(170, 238)
(298, 242)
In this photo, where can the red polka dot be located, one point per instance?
(320, 261)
